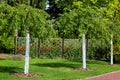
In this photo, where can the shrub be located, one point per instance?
(98, 49)
(6, 45)
(116, 48)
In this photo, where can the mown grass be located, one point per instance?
(54, 69)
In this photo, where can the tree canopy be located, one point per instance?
(69, 18)
(24, 18)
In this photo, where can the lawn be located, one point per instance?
(53, 69)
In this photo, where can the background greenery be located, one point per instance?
(68, 19)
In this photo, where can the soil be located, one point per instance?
(111, 65)
(30, 75)
(2, 56)
(82, 69)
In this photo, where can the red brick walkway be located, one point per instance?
(109, 76)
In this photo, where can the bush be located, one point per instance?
(98, 49)
(101, 53)
(116, 49)
(73, 54)
(6, 45)
(117, 58)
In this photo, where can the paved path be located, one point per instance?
(109, 76)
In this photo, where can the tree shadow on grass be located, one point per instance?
(7, 69)
(96, 62)
(58, 65)
(100, 62)
(2, 59)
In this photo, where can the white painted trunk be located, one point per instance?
(26, 67)
(111, 53)
(84, 51)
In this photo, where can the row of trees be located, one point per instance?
(66, 18)
(69, 18)
(97, 19)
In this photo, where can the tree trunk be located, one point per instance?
(26, 67)
(38, 47)
(21, 1)
(8, 1)
(31, 2)
(38, 4)
(111, 55)
(87, 45)
(84, 51)
(15, 45)
(15, 42)
(17, 1)
(62, 47)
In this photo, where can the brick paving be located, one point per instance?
(109, 76)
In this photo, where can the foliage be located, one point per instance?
(24, 18)
(94, 19)
(34, 3)
(99, 49)
(6, 14)
(51, 48)
(6, 30)
(114, 11)
(6, 44)
(68, 18)
(31, 19)
(57, 7)
(83, 20)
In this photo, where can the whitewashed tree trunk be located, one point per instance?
(84, 51)
(26, 67)
(111, 53)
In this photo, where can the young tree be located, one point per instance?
(84, 51)
(89, 20)
(26, 67)
(34, 21)
(111, 48)
(26, 18)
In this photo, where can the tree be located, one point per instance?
(111, 53)
(34, 21)
(89, 20)
(84, 51)
(25, 18)
(114, 12)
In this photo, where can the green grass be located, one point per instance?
(53, 69)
